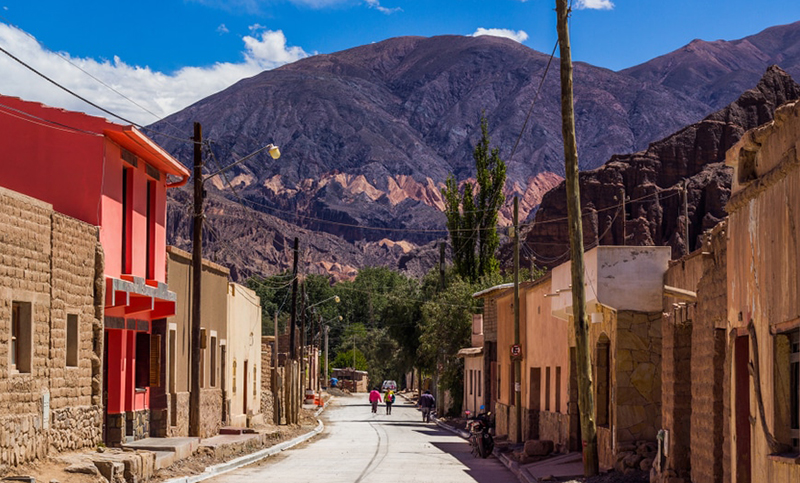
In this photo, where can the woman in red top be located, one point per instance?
(374, 399)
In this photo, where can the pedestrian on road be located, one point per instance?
(427, 403)
(389, 399)
(374, 399)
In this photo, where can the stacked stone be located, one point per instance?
(210, 412)
(635, 456)
(75, 428)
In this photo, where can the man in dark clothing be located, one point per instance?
(427, 403)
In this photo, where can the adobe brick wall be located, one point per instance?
(709, 346)
(49, 260)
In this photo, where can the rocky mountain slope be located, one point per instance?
(716, 73)
(652, 183)
(369, 134)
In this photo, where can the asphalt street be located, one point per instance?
(360, 447)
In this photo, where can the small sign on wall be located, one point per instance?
(516, 352)
(46, 410)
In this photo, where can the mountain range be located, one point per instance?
(369, 134)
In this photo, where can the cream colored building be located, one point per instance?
(243, 371)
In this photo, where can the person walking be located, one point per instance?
(427, 403)
(374, 399)
(389, 400)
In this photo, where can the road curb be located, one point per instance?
(251, 458)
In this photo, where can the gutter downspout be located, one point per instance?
(179, 183)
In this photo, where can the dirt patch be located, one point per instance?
(204, 457)
(616, 477)
(51, 469)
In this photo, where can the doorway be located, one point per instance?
(742, 410)
(244, 390)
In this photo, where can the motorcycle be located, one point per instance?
(480, 438)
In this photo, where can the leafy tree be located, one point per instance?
(471, 217)
(345, 359)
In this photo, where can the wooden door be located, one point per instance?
(742, 410)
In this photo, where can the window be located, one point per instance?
(558, 389)
(787, 388)
(127, 219)
(172, 361)
(547, 389)
(213, 354)
(21, 330)
(233, 378)
(480, 383)
(470, 381)
(535, 394)
(72, 340)
(142, 370)
(151, 230)
(603, 378)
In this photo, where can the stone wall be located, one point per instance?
(210, 412)
(267, 398)
(137, 424)
(47, 262)
(179, 415)
(501, 422)
(636, 398)
(555, 427)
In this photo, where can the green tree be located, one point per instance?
(345, 359)
(472, 217)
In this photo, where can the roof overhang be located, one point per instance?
(492, 290)
(142, 146)
(470, 352)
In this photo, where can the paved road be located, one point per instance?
(360, 447)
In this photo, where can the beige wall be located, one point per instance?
(214, 316)
(244, 350)
(763, 282)
(473, 384)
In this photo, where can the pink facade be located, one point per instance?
(114, 177)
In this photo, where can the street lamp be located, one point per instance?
(197, 266)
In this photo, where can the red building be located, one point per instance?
(116, 178)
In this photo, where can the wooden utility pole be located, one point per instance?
(327, 329)
(517, 357)
(624, 218)
(276, 383)
(302, 335)
(688, 248)
(580, 322)
(197, 272)
(441, 265)
(293, 323)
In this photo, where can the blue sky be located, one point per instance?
(166, 54)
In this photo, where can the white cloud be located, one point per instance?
(159, 92)
(594, 4)
(518, 35)
(376, 4)
(222, 29)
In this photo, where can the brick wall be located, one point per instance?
(49, 261)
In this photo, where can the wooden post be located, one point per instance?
(293, 323)
(687, 248)
(197, 272)
(580, 322)
(517, 364)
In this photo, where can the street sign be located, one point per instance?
(516, 351)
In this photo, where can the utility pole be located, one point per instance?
(276, 384)
(624, 218)
(292, 342)
(197, 272)
(327, 329)
(441, 265)
(303, 335)
(584, 362)
(517, 365)
(686, 216)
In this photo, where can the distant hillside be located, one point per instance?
(369, 134)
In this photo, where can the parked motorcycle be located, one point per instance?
(480, 438)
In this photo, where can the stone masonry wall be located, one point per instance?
(267, 398)
(709, 347)
(179, 415)
(47, 260)
(555, 427)
(636, 400)
(210, 412)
